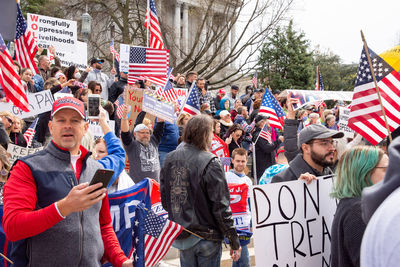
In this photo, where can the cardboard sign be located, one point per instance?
(68, 58)
(96, 130)
(135, 99)
(309, 97)
(344, 114)
(161, 109)
(292, 223)
(60, 33)
(17, 152)
(38, 103)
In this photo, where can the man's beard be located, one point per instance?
(144, 142)
(321, 159)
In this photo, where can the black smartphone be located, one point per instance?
(93, 106)
(102, 176)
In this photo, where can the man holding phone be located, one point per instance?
(51, 213)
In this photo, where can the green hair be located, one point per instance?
(353, 172)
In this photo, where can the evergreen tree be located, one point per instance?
(285, 62)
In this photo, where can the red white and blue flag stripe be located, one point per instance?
(153, 25)
(270, 107)
(192, 105)
(30, 132)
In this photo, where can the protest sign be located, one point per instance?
(38, 103)
(182, 94)
(17, 152)
(135, 99)
(68, 58)
(309, 97)
(60, 33)
(292, 223)
(96, 130)
(344, 114)
(124, 57)
(161, 109)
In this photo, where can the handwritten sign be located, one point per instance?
(60, 33)
(292, 223)
(38, 103)
(135, 100)
(160, 109)
(17, 152)
(96, 130)
(344, 114)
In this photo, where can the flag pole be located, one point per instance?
(254, 163)
(376, 84)
(317, 81)
(148, 22)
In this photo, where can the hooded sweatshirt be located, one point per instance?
(373, 196)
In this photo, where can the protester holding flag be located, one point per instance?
(359, 167)
(264, 147)
(57, 201)
(198, 198)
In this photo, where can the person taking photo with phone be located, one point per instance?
(51, 213)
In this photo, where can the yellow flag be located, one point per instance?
(392, 57)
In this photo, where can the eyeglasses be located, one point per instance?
(144, 133)
(325, 143)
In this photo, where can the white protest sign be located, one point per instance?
(38, 103)
(95, 128)
(182, 94)
(124, 57)
(17, 152)
(309, 96)
(292, 223)
(161, 109)
(344, 114)
(60, 33)
(77, 58)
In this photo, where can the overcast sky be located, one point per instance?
(336, 25)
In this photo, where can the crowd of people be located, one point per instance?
(47, 197)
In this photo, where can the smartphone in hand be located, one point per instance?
(102, 176)
(93, 106)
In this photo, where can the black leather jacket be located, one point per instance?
(195, 194)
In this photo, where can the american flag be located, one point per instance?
(265, 134)
(30, 132)
(154, 27)
(366, 117)
(226, 162)
(271, 108)
(152, 237)
(120, 103)
(10, 80)
(25, 45)
(192, 104)
(254, 80)
(113, 51)
(148, 63)
(319, 85)
(168, 92)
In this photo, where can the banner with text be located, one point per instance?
(38, 103)
(344, 114)
(124, 57)
(292, 223)
(182, 94)
(306, 97)
(96, 130)
(68, 58)
(17, 152)
(158, 108)
(60, 33)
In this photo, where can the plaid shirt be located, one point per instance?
(207, 98)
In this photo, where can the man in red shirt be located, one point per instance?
(50, 210)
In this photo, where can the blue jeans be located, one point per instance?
(244, 260)
(205, 253)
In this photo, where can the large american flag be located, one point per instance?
(366, 116)
(148, 63)
(25, 45)
(152, 23)
(270, 107)
(114, 52)
(120, 103)
(152, 237)
(30, 132)
(319, 84)
(10, 80)
(192, 104)
(265, 134)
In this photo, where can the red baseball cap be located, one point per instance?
(69, 103)
(221, 91)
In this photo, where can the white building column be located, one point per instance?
(177, 24)
(185, 24)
